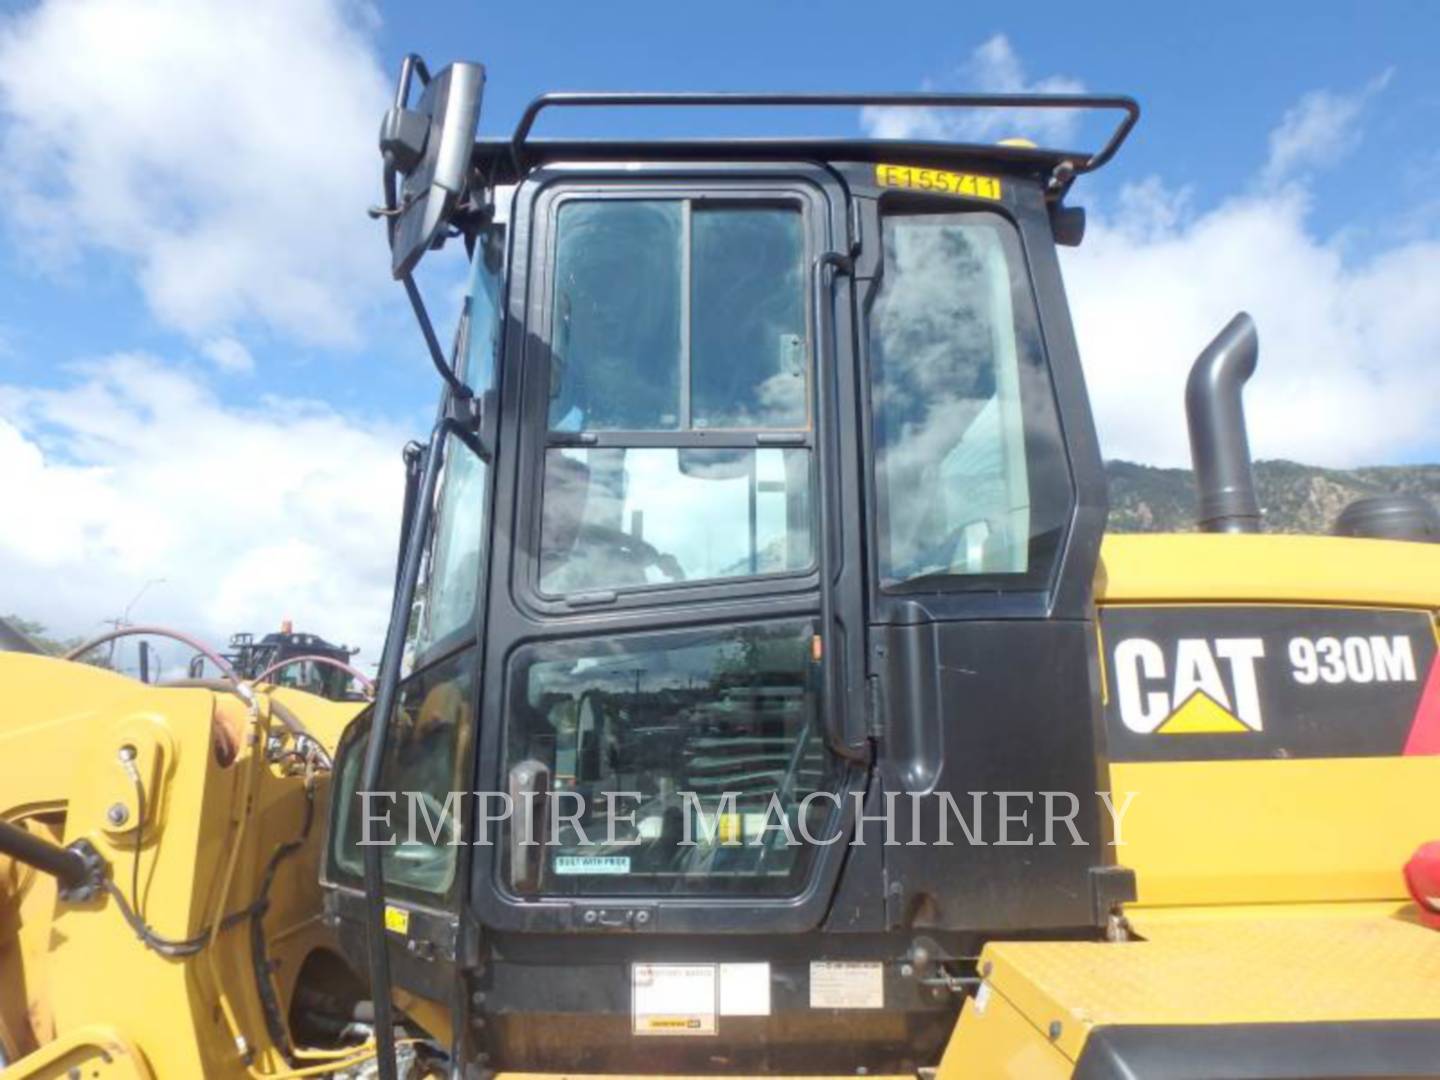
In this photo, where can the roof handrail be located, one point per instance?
(583, 99)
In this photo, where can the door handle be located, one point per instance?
(834, 704)
(529, 797)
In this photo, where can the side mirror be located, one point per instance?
(427, 156)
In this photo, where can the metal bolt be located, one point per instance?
(478, 998)
(907, 970)
(1055, 1028)
(642, 917)
(591, 915)
(118, 814)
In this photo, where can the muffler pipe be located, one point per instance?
(1219, 447)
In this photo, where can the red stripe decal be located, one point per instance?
(1425, 731)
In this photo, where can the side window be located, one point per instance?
(426, 759)
(427, 739)
(449, 586)
(973, 487)
(678, 349)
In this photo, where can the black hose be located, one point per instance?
(64, 864)
(275, 1023)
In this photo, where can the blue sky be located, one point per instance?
(193, 302)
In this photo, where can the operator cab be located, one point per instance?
(764, 495)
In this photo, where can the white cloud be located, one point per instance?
(1349, 347)
(134, 470)
(227, 146)
(228, 355)
(1321, 128)
(993, 67)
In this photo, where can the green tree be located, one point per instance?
(55, 646)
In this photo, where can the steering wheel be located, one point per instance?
(630, 549)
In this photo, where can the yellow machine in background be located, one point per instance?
(764, 470)
(206, 804)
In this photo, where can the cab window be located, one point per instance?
(972, 484)
(682, 762)
(445, 598)
(678, 348)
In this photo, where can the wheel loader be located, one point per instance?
(761, 695)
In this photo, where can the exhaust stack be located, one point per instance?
(1219, 447)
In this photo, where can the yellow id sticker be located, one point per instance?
(397, 919)
(937, 180)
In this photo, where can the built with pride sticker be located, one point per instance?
(592, 864)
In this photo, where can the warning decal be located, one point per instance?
(1227, 681)
(845, 984)
(673, 999)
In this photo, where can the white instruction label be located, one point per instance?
(744, 989)
(592, 864)
(673, 999)
(843, 984)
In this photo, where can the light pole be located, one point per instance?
(124, 619)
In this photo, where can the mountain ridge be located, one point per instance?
(1294, 498)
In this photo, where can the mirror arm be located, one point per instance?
(413, 456)
(432, 343)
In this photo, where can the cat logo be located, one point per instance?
(1206, 687)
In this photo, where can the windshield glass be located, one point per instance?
(970, 471)
(617, 517)
(678, 345)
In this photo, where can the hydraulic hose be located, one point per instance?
(65, 865)
(156, 631)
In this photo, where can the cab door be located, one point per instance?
(663, 704)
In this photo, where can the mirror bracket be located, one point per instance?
(403, 135)
(427, 146)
